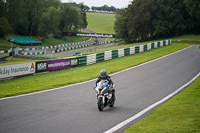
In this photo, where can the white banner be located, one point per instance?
(17, 70)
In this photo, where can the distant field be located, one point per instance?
(101, 22)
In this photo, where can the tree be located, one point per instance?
(93, 8)
(171, 18)
(120, 25)
(141, 14)
(193, 8)
(83, 7)
(49, 22)
(5, 27)
(104, 8)
(36, 9)
(71, 18)
(24, 15)
(84, 18)
(158, 18)
(113, 9)
(2, 8)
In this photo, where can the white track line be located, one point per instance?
(117, 127)
(54, 89)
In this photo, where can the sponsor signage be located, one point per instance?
(17, 70)
(97, 35)
(53, 65)
(41, 66)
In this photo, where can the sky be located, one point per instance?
(98, 3)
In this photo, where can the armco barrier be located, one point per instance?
(149, 46)
(82, 61)
(107, 55)
(91, 59)
(158, 45)
(100, 57)
(152, 46)
(132, 50)
(145, 48)
(137, 49)
(155, 44)
(127, 51)
(114, 54)
(141, 48)
(120, 52)
(164, 43)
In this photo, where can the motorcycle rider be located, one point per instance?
(104, 76)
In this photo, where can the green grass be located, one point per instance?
(100, 22)
(16, 61)
(53, 41)
(191, 38)
(4, 44)
(38, 82)
(179, 115)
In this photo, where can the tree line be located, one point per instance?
(150, 19)
(40, 17)
(104, 8)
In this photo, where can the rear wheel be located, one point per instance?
(100, 104)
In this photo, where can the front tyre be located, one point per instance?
(113, 101)
(100, 104)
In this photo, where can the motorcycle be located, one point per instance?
(105, 96)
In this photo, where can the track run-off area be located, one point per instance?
(73, 108)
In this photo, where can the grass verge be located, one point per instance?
(179, 115)
(16, 61)
(50, 80)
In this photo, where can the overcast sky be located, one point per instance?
(98, 3)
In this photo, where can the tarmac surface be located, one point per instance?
(82, 50)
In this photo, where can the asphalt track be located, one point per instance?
(87, 49)
(73, 109)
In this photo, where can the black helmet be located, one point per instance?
(103, 73)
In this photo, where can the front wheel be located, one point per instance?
(100, 104)
(113, 100)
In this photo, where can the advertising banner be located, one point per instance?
(41, 66)
(17, 70)
(98, 35)
(53, 65)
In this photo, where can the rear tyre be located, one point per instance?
(100, 104)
